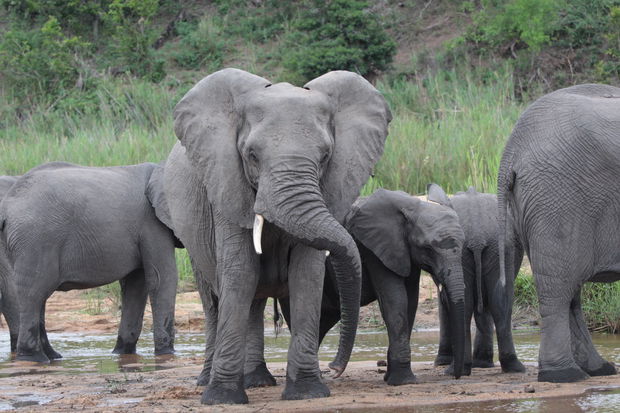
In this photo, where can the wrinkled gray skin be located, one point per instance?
(8, 298)
(70, 227)
(485, 297)
(299, 157)
(8, 303)
(398, 236)
(558, 181)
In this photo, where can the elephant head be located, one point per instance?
(402, 230)
(296, 157)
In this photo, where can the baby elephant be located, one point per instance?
(67, 227)
(398, 236)
(486, 297)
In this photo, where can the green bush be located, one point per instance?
(502, 23)
(202, 45)
(40, 62)
(133, 38)
(257, 23)
(339, 34)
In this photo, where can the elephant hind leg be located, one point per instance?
(556, 362)
(483, 343)
(45, 343)
(584, 352)
(256, 373)
(133, 303)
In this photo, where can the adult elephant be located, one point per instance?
(486, 297)
(295, 159)
(67, 227)
(399, 235)
(558, 181)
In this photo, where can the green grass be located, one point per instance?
(449, 128)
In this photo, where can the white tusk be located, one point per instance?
(326, 253)
(257, 232)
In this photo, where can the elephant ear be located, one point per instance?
(206, 121)
(361, 119)
(437, 194)
(378, 222)
(155, 194)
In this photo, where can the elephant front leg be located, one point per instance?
(256, 373)
(209, 305)
(392, 294)
(133, 302)
(237, 275)
(305, 281)
(584, 351)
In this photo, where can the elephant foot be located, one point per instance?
(162, 351)
(35, 356)
(607, 369)
(224, 393)
(567, 375)
(449, 371)
(203, 378)
(124, 346)
(511, 364)
(259, 377)
(443, 359)
(400, 377)
(305, 388)
(52, 354)
(482, 364)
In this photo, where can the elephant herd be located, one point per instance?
(261, 190)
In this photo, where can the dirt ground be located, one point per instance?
(171, 387)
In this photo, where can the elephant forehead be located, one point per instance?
(286, 97)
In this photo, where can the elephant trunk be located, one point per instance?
(454, 297)
(293, 202)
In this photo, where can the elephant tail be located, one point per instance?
(505, 183)
(277, 318)
(478, 264)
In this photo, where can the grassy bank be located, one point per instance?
(449, 128)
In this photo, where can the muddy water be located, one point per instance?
(593, 401)
(92, 353)
(85, 353)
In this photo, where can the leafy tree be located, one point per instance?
(500, 23)
(337, 34)
(133, 37)
(39, 62)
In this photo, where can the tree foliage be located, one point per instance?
(337, 34)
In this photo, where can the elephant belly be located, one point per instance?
(608, 276)
(88, 270)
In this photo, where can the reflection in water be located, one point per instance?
(93, 353)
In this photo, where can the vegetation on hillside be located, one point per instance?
(94, 81)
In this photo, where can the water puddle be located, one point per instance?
(92, 353)
(593, 401)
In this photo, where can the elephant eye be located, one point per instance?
(325, 158)
(252, 156)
